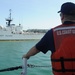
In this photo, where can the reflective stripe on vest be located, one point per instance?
(63, 59)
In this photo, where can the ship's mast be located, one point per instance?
(9, 19)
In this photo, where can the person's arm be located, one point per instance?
(31, 52)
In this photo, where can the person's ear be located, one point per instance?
(62, 16)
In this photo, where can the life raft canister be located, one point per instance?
(63, 59)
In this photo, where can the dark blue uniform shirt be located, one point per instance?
(46, 43)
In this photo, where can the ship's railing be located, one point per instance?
(23, 67)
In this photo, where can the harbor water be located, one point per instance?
(11, 53)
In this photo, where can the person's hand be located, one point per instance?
(25, 56)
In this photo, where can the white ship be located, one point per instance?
(13, 32)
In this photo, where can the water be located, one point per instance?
(11, 53)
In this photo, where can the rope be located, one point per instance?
(20, 67)
(33, 66)
(11, 68)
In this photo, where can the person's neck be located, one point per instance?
(67, 20)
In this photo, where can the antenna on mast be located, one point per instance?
(9, 19)
(10, 14)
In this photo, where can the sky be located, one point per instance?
(32, 14)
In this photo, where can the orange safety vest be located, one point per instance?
(63, 59)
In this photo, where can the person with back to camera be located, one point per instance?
(60, 40)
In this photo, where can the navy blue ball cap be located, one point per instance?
(68, 8)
